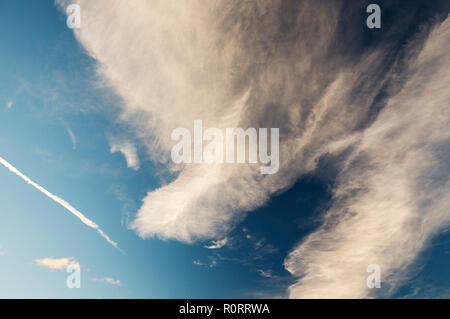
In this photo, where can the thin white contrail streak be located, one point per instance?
(60, 201)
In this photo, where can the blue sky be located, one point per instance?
(58, 118)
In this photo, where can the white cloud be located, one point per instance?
(10, 104)
(56, 263)
(216, 244)
(129, 152)
(107, 280)
(167, 81)
(72, 136)
(395, 193)
(2, 250)
(210, 264)
(59, 200)
(265, 274)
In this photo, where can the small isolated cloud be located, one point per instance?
(265, 274)
(10, 104)
(129, 152)
(259, 243)
(107, 280)
(216, 244)
(211, 264)
(2, 250)
(72, 136)
(56, 263)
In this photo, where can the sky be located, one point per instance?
(86, 179)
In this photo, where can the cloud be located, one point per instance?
(393, 195)
(72, 136)
(2, 250)
(107, 280)
(220, 72)
(265, 274)
(127, 203)
(56, 263)
(129, 152)
(303, 67)
(10, 104)
(210, 264)
(258, 244)
(60, 201)
(216, 244)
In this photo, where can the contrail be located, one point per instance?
(60, 201)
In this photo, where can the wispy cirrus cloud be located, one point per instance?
(107, 280)
(217, 244)
(72, 136)
(264, 273)
(393, 194)
(211, 264)
(56, 263)
(60, 201)
(129, 151)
